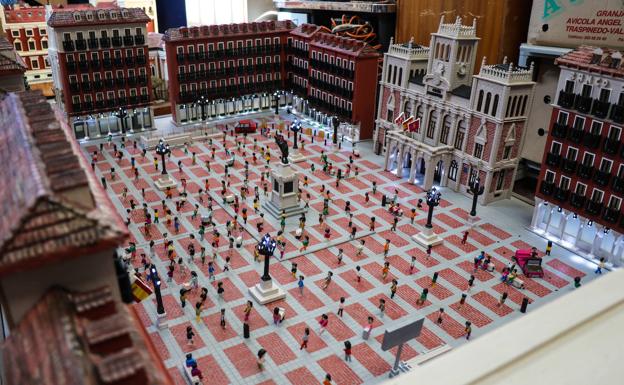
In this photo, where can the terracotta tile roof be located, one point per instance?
(10, 61)
(65, 339)
(52, 208)
(306, 30)
(154, 40)
(345, 45)
(222, 30)
(593, 59)
(101, 16)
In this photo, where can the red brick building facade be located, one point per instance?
(469, 126)
(581, 184)
(101, 72)
(239, 67)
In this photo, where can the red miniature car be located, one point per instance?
(245, 127)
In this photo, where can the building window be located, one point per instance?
(459, 137)
(507, 152)
(605, 165)
(500, 180)
(15, 33)
(597, 196)
(433, 120)
(17, 45)
(446, 128)
(44, 44)
(474, 174)
(614, 202)
(562, 118)
(34, 64)
(480, 100)
(29, 32)
(555, 148)
(494, 105)
(564, 183)
(453, 171)
(478, 150)
(588, 159)
(579, 122)
(572, 153)
(580, 189)
(31, 45)
(550, 176)
(488, 99)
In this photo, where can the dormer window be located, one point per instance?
(596, 56)
(124, 13)
(89, 16)
(616, 60)
(113, 15)
(77, 16)
(101, 15)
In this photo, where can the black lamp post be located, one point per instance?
(160, 307)
(295, 128)
(266, 247)
(122, 114)
(163, 150)
(336, 124)
(475, 189)
(276, 95)
(433, 200)
(203, 102)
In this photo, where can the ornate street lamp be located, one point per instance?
(203, 102)
(336, 124)
(122, 114)
(277, 95)
(266, 247)
(163, 150)
(475, 189)
(295, 128)
(433, 200)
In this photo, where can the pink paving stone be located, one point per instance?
(439, 291)
(213, 323)
(408, 229)
(554, 279)
(368, 164)
(411, 296)
(504, 252)
(309, 301)
(449, 221)
(495, 231)
(536, 288)
(513, 294)
(179, 333)
(407, 354)
(243, 359)
(375, 268)
(360, 315)
(307, 267)
(470, 313)
(449, 324)
(428, 338)
(455, 240)
(357, 183)
(372, 361)
(400, 264)
(290, 312)
(338, 329)
(480, 238)
(384, 214)
(372, 245)
(151, 196)
(160, 346)
(422, 258)
(315, 342)
(436, 227)
(250, 278)
(489, 301)
(333, 291)
(395, 239)
(172, 305)
(280, 353)
(282, 274)
(350, 276)
(481, 275)
(302, 376)
(330, 259)
(212, 369)
(463, 214)
(393, 310)
(117, 188)
(455, 278)
(341, 372)
(143, 316)
(176, 375)
(445, 252)
(267, 382)
(231, 291)
(565, 268)
(444, 203)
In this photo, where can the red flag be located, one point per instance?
(399, 119)
(407, 121)
(414, 126)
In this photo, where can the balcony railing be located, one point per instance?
(109, 82)
(594, 208)
(591, 140)
(142, 79)
(561, 194)
(553, 159)
(585, 172)
(129, 60)
(602, 178)
(98, 85)
(68, 46)
(83, 65)
(107, 63)
(128, 41)
(81, 44)
(600, 109)
(618, 184)
(74, 87)
(611, 214)
(95, 64)
(568, 165)
(120, 81)
(141, 60)
(576, 135)
(86, 86)
(139, 39)
(105, 42)
(93, 43)
(583, 103)
(611, 146)
(76, 107)
(559, 130)
(547, 188)
(617, 113)
(577, 200)
(118, 62)
(117, 41)
(71, 66)
(566, 99)
(144, 98)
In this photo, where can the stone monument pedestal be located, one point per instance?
(284, 194)
(427, 238)
(266, 292)
(472, 221)
(161, 321)
(296, 157)
(165, 181)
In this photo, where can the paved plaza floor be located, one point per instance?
(225, 356)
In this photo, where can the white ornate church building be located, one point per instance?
(471, 126)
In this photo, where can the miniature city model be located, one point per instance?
(579, 198)
(437, 123)
(102, 78)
